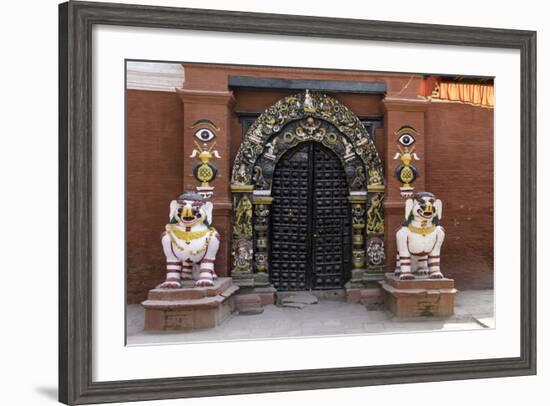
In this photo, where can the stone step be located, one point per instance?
(249, 303)
(294, 298)
(365, 296)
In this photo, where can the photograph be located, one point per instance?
(273, 202)
(255, 202)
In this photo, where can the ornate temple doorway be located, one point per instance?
(310, 221)
(308, 190)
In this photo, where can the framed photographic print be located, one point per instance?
(261, 202)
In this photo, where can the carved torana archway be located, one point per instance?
(305, 117)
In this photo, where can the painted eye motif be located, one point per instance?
(406, 140)
(204, 134)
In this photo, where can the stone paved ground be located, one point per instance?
(473, 310)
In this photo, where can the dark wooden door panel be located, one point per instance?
(310, 221)
(331, 221)
(289, 221)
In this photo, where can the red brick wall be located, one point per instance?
(459, 168)
(154, 178)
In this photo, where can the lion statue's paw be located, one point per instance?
(205, 280)
(406, 276)
(169, 285)
(436, 275)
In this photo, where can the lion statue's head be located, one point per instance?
(190, 209)
(423, 206)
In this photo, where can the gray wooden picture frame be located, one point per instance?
(76, 20)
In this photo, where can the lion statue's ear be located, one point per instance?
(409, 203)
(174, 206)
(438, 209)
(208, 207)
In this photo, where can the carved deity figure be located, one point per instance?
(258, 178)
(374, 177)
(375, 251)
(243, 217)
(271, 147)
(348, 147)
(375, 222)
(308, 102)
(189, 242)
(239, 174)
(420, 238)
(358, 214)
(242, 256)
(359, 179)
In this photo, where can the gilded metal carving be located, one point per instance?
(258, 178)
(358, 214)
(239, 174)
(375, 177)
(261, 213)
(242, 253)
(309, 129)
(243, 218)
(358, 259)
(261, 228)
(375, 214)
(358, 203)
(375, 251)
(295, 107)
(271, 150)
(359, 181)
(260, 259)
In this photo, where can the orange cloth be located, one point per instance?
(476, 94)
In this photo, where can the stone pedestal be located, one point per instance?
(419, 297)
(190, 308)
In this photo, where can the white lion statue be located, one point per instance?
(190, 243)
(420, 238)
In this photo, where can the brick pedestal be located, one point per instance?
(190, 308)
(419, 297)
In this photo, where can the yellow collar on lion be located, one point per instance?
(421, 230)
(186, 235)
